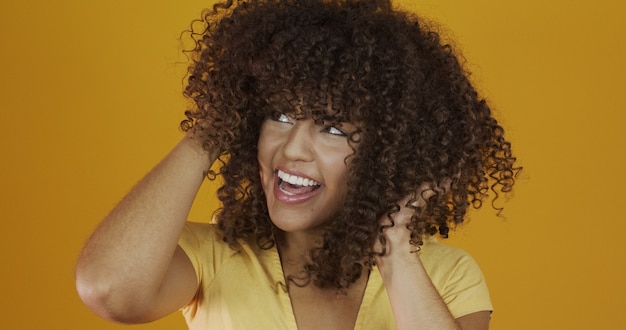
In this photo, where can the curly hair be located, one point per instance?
(420, 122)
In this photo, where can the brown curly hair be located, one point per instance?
(419, 120)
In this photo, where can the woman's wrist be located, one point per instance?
(193, 149)
(399, 252)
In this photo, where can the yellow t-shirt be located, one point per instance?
(243, 288)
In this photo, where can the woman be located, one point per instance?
(348, 135)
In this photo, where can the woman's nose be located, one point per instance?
(298, 145)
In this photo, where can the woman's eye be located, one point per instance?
(280, 117)
(334, 131)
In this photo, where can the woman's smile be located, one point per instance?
(292, 188)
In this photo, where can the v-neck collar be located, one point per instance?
(374, 281)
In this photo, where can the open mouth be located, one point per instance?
(296, 185)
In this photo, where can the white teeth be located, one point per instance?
(296, 180)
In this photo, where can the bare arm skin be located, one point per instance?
(130, 269)
(405, 278)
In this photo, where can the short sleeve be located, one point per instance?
(205, 249)
(466, 291)
(458, 279)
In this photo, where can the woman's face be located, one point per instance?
(304, 172)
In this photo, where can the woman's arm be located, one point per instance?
(130, 269)
(405, 279)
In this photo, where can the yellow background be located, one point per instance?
(90, 100)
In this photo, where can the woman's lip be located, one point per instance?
(292, 199)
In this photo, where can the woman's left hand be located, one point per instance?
(415, 301)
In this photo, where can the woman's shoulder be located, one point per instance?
(204, 236)
(433, 248)
(443, 260)
(201, 232)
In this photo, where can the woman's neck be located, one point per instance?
(295, 248)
